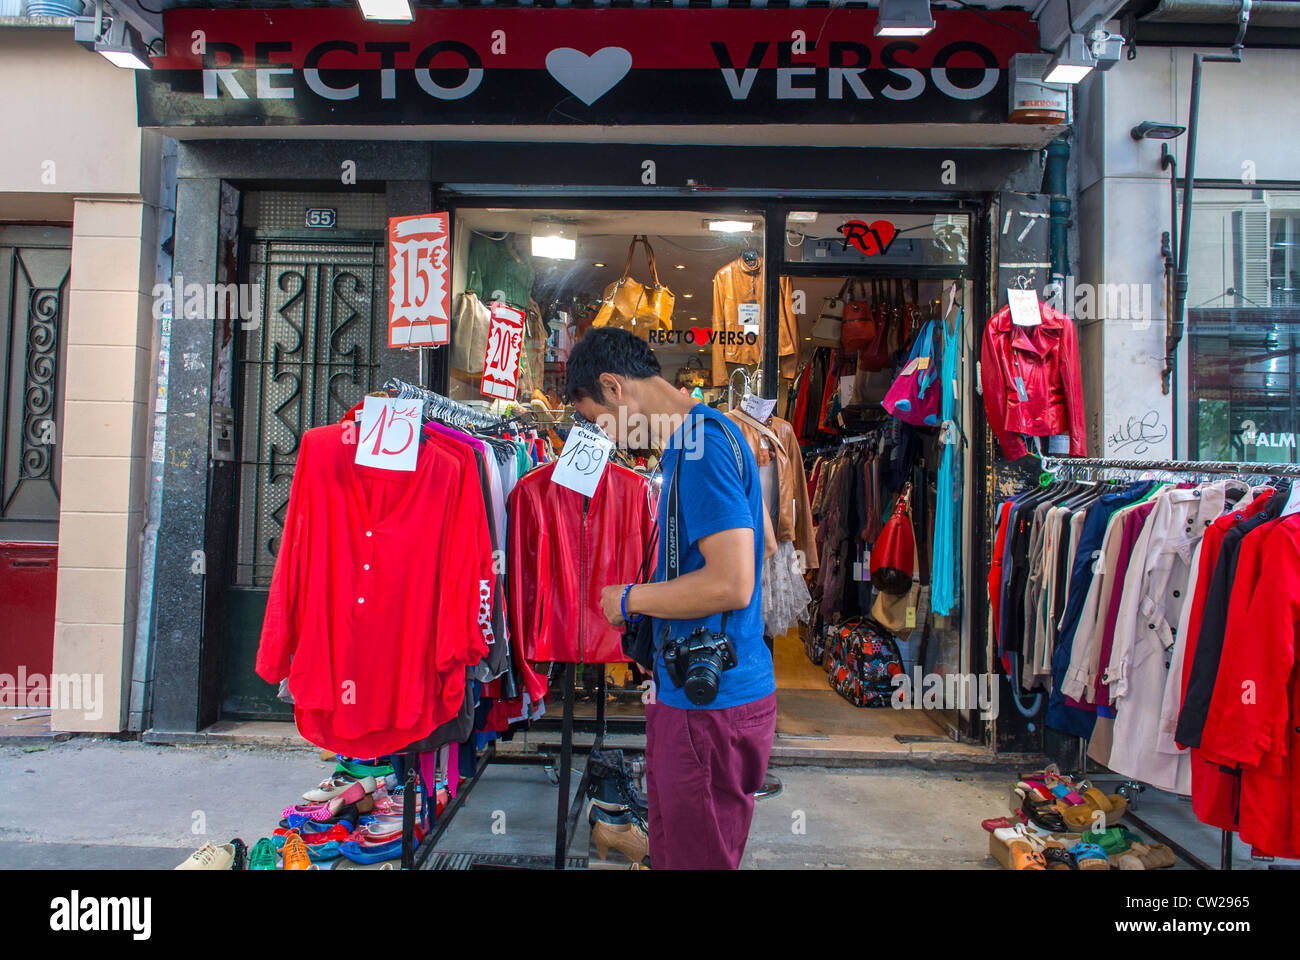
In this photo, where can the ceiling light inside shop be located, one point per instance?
(680, 266)
(730, 226)
(554, 241)
(386, 9)
(1072, 62)
(904, 18)
(801, 216)
(688, 295)
(597, 264)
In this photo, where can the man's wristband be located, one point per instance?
(622, 604)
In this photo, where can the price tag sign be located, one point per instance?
(504, 346)
(747, 314)
(419, 294)
(1024, 308)
(583, 461)
(757, 407)
(388, 434)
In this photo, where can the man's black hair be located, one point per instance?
(607, 350)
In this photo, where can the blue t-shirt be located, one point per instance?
(713, 497)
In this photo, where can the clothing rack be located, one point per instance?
(1069, 466)
(438, 407)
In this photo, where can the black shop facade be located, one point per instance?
(757, 165)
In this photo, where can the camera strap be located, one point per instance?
(673, 553)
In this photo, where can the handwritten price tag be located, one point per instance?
(419, 297)
(1024, 308)
(505, 343)
(757, 407)
(583, 462)
(389, 434)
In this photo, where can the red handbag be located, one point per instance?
(859, 327)
(894, 555)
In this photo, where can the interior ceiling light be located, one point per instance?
(680, 266)
(904, 18)
(114, 39)
(1155, 130)
(730, 226)
(801, 216)
(386, 9)
(554, 241)
(597, 264)
(1072, 62)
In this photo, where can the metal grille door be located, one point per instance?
(311, 358)
(34, 267)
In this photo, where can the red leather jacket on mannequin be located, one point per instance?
(1045, 358)
(562, 555)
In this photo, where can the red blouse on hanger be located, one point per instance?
(375, 602)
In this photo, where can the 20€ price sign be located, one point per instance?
(504, 346)
(389, 434)
(419, 295)
(583, 461)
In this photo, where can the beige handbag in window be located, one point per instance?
(469, 334)
(830, 321)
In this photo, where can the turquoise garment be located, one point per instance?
(944, 590)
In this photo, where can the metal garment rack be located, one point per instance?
(413, 858)
(1070, 467)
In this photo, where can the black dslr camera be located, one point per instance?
(697, 663)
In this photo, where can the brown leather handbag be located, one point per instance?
(635, 306)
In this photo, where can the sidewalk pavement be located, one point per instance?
(105, 804)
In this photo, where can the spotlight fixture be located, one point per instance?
(597, 264)
(554, 241)
(904, 18)
(1155, 130)
(386, 9)
(1072, 62)
(112, 38)
(680, 266)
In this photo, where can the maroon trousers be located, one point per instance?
(703, 768)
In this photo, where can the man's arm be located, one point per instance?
(725, 582)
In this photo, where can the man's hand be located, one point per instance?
(611, 603)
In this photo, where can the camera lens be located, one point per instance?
(702, 680)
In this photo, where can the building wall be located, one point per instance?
(74, 153)
(1123, 206)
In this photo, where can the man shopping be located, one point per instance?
(709, 734)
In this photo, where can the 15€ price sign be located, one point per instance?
(419, 294)
(389, 434)
(583, 461)
(504, 346)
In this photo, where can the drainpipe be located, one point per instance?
(1054, 182)
(1174, 334)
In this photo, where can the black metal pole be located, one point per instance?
(566, 770)
(410, 796)
(1174, 335)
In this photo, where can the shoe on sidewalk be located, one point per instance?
(210, 857)
(262, 856)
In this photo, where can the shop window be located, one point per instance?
(690, 283)
(876, 239)
(1243, 325)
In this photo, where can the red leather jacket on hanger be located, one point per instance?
(562, 554)
(1045, 358)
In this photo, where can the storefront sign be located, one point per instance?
(574, 66)
(505, 342)
(871, 238)
(389, 434)
(419, 296)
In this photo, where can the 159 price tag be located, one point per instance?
(583, 461)
(389, 434)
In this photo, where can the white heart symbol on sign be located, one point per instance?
(588, 77)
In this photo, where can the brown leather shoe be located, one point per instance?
(627, 838)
